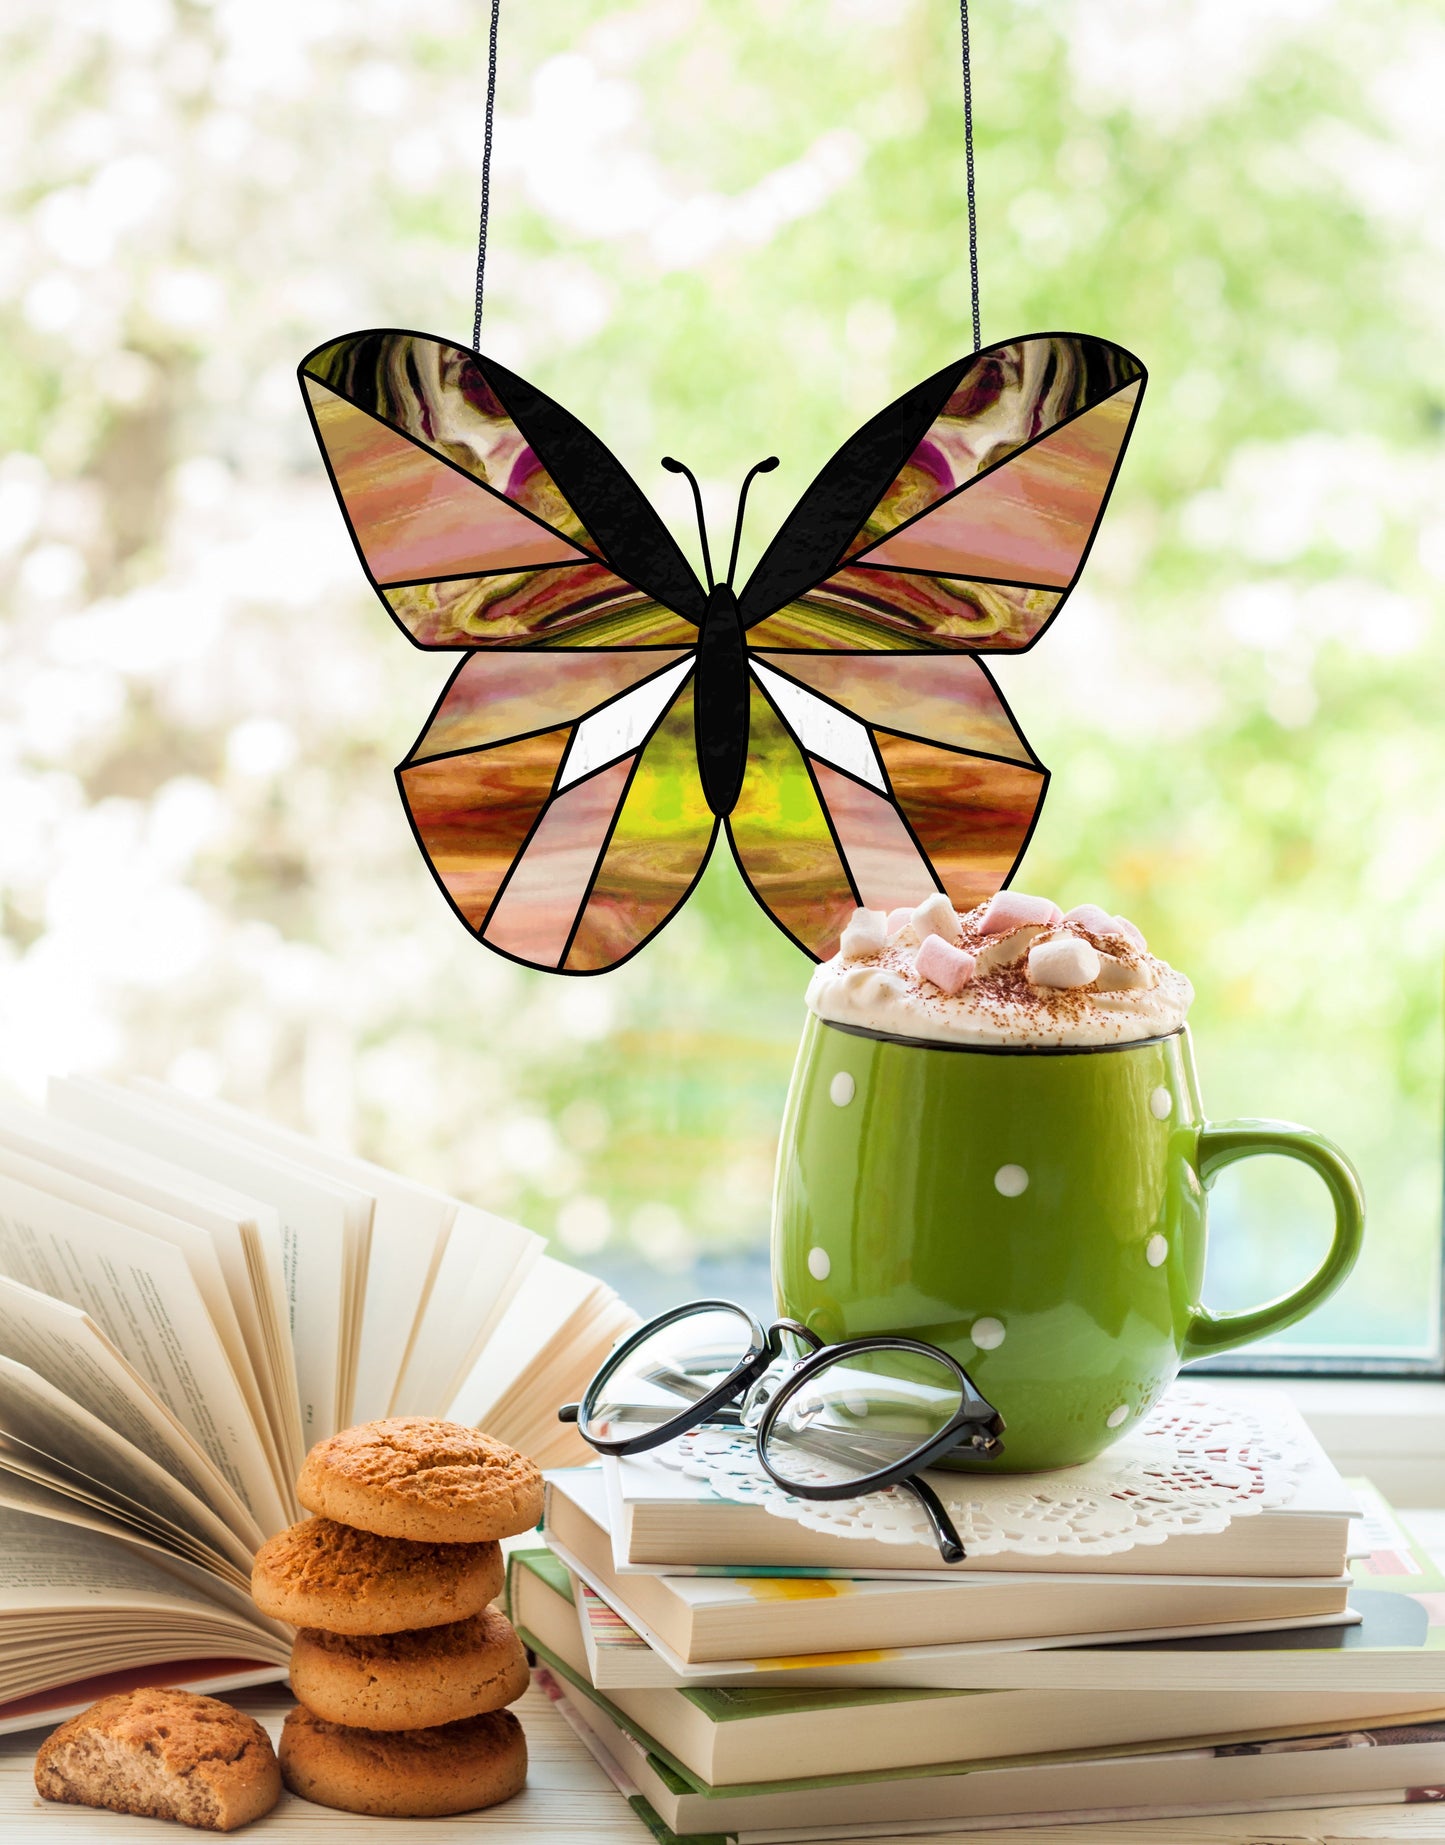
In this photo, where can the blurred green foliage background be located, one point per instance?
(722, 230)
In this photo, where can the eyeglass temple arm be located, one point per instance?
(950, 1544)
(804, 1334)
(569, 1412)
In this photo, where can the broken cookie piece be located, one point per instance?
(163, 1754)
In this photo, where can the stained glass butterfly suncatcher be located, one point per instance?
(610, 713)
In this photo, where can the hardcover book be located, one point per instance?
(1320, 1768)
(1390, 1639)
(723, 1626)
(740, 1733)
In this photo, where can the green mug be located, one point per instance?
(1039, 1213)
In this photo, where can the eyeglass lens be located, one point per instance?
(862, 1414)
(674, 1367)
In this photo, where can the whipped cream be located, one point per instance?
(1013, 971)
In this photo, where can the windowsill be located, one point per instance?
(1389, 1429)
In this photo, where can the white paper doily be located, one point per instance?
(1195, 1464)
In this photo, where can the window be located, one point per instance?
(719, 235)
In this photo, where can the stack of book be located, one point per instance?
(743, 1677)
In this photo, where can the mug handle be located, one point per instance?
(1221, 1144)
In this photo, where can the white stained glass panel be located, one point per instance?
(619, 728)
(823, 730)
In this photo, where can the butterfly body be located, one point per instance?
(609, 716)
(721, 701)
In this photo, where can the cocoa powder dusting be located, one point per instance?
(1133, 993)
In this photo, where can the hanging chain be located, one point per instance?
(968, 147)
(487, 170)
(487, 173)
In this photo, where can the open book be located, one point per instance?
(189, 1298)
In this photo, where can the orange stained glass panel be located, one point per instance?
(472, 813)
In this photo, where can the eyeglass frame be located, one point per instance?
(975, 1413)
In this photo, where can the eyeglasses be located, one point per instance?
(832, 1421)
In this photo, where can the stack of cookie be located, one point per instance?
(402, 1668)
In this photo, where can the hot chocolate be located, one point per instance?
(1016, 970)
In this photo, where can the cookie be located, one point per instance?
(404, 1774)
(164, 1755)
(413, 1680)
(321, 1574)
(421, 1478)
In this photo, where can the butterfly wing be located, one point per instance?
(960, 517)
(554, 790)
(484, 514)
(873, 781)
(884, 763)
(557, 801)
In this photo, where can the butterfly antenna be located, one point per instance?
(676, 467)
(763, 467)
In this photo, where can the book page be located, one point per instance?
(485, 1262)
(140, 1292)
(547, 1298)
(33, 1411)
(26, 1491)
(45, 1565)
(44, 1503)
(65, 1346)
(24, 1466)
(313, 1215)
(409, 1227)
(244, 1233)
(74, 1601)
(200, 1257)
(525, 1414)
(560, 1326)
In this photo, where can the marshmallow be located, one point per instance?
(1093, 917)
(1011, 909)
(866, 934)
(1004, 950)
(936, 916)
(1063, 961)
(1116, 976)
(950, 969)
(1098, 921)
(899, 919)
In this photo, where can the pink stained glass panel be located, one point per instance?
(948, 700)
(886, 864)
(1030, 519)
(534, 915)
(414, 517)
(500, 695)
